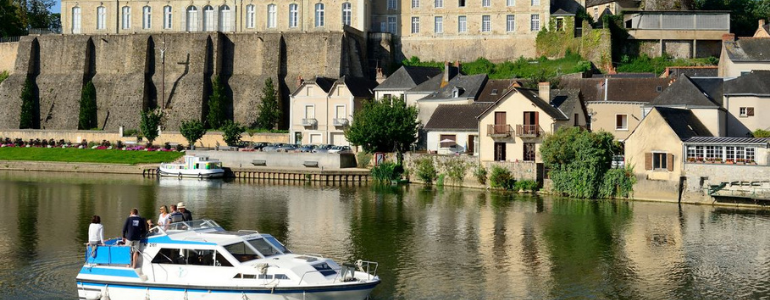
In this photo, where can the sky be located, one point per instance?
(56, 7)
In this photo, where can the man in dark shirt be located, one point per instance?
(133, 231)
(187, 214)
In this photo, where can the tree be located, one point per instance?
(231, 132)
(150, 121)
(87, 119)
(28, 109)
(11, 24)
(192, 131)
(579, 160)
(269, 112)
(218, 103)
(384, 126)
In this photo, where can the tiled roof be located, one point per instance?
(618, 89)
(727, 140)
(754, 83)
(408, 77)
(684, 123)
(358, 87)
(533, 96)
(684, 92)
(456, 116)
(469, 87)
(748, 49)
(494, 89)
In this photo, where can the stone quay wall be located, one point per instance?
(169, 71)
(8, 56)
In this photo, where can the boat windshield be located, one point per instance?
(193, 225)
(276, 243)
(264, 247)
(242, 252)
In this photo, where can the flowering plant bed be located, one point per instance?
(140, 155)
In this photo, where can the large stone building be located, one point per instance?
(430, 29)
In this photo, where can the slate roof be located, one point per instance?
(754, 83)
(618, 89)
(494, 89)
(433, 84)
(469, 85)
(358, 87)
(566, 100)
(727, 140)
(748, 49)
(629, 75)
(554, 112)
(699, 71)
(685, 92)
(590, 3)
(407, 77)
(684, 123)
(456, 116)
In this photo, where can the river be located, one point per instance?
(431, 243)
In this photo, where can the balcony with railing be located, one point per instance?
(528, 131)
(309, 122)
(499, 130)
(339, 122)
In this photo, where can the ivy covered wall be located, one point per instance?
(594, 44)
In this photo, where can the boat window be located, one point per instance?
(264, 248)
(190, 257)
(276, 243)
(281, 276)
(242, 252)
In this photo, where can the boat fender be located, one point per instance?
(180, 175)
(106, 294)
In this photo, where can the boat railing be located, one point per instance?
(365, 266)
(247, 231)
(203, 224)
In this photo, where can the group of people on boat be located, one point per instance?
(136, 227)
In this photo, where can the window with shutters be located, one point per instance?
(746, 112)
(621, 122)
(659, 161)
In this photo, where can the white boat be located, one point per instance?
(200, 260)
(193, 166)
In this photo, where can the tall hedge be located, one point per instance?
(87, 118)
(28, 115)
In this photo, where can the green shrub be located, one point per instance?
(231, 132)
(192, 131)
(3, 76)
(501, 178)
(87, 117)
(218, 104)
(526, 185)
(130, 132)
(149, 124)
(440, 180)
(481, 174)
(364, 159)
(426, 171)
(28, 109)
(617, 183)
(455, 169)
(386, 172)
(759, 133)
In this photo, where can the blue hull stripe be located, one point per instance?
(109, 272)
(164, 239)
(236, 290)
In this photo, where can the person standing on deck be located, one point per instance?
(95, 234)
(187, 214)
(175, 215)
(133, 231)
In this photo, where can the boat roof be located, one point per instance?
(200, 232)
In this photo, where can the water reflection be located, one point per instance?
(431, 243)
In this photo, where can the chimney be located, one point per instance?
(728, 37)
(380, 77)
(445, 78)
(300, 81)
(544, 91)
(761, 23)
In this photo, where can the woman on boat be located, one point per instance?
(95, 234)
(164, 218)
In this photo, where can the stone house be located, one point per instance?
(431, 85)
(598, 8)
(321, 109)
(404, 79)
(616, 105)
(513, 127)
(763, 30)
(702, 96)
(743, 55)
(453, 128)
(746, 99)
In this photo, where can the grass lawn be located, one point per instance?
(88, 155)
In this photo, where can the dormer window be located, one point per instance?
(659, 89)
(455, 92)
(494, 92)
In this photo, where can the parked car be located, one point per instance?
(288, 148)
(322, 148)
(259, 146)
(271, 147)
(340, 149)
(307, 148)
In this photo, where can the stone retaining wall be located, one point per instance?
(243, 159)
